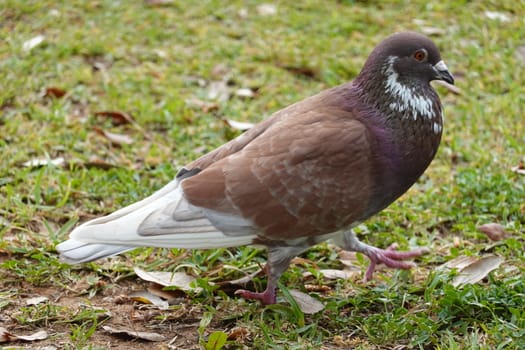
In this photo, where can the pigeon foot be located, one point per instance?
(391, 258)
(266, 298)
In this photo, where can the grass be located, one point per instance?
(153, 62)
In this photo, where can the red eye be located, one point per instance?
(420, 55)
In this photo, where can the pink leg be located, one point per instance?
(390, 256)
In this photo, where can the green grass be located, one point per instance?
(151, 62)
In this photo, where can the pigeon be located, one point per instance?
(308, 173)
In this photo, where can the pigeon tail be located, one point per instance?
(164, 219)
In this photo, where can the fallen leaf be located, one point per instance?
(40, 335)
(458, 263)
(432, 31)
(520, 54)
(498, 16)
(6, 336)
(30, 44)
(54, 92)
(115, 139)
(238, 333)
(133, 334)
(97, 163)
(118, 118)
(36, 300)
(244, 92)
(243, 126)
(159, 2)
(205, 106)
(452, 88)
(307, 304)
(337, 274)
(39, 162)
(146, 297)
(218, 91)
(267, 9)
(477, 270)
(519, 169)
(494, 231)
(168, 279)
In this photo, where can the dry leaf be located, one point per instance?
(337, 274)
(218, 91)
(458, 263)
(6, 336)
(267, 9)
(146, 297)
(477, 270)
(244, 92)
(494, 231)
(32, 43)
(115, 139)
(498, 16)
(452, 88)
(205, 106)
(118, 118)
(133, 334)
(36, 300)
(168, 279)
(40, 335)
(243, 126)
(307, 304)
(54, 92)
(519, 169)
(432, 31)
(39, 162)
(238, 333)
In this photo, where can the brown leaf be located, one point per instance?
(168, 279)
(6, 336)
(477, 271)
(243, 126)
(519, 169)
(40, 335)
(307, 304)
(494, 231)
(218, 91)
(205, 106)
(117, 118)
(238, 333)
(146, 297)
(97, 163)
(36, 300)
(115, 139)
(133, 334)
(452, 88)
(54, 92)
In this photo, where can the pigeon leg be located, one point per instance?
(279, 259)
(390, 256)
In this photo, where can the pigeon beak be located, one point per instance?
(442, 72)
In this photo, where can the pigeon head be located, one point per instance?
(396, 76)
(412, 57)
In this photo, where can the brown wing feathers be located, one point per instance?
(300, 183)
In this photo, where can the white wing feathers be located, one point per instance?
(164, 219)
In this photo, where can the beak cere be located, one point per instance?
(443, 73)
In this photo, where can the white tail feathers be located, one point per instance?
(164, 219)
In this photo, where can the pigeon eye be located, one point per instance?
(420, 55)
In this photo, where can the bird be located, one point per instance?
(308, 173)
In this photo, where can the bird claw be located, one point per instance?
(391, 258)
(266, 298)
